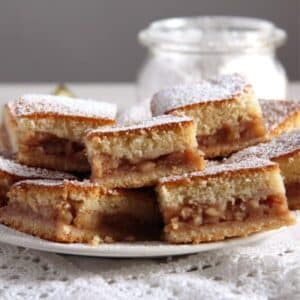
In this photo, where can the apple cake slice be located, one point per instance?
(223, 201)
(4, 142)
(280, 116)
(226, 112)
(11, 172)
(10, 127)
(46, 131)
(138, 155)
(284, 150)
(74, 211)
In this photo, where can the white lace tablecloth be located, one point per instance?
(268, 270)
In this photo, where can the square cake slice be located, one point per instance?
(224, 201)
(46, 131)
(226, 112)
(138, 155)
(9, 128)
(280, 116)
(73, 211)
(4, 142)
(284, 150)
(12, 172)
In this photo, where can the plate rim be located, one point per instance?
(125, 250)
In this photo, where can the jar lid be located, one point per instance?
(212, 34)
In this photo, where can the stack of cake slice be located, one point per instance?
(149, 180)
(121, 157)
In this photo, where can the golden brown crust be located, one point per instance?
(194, 176)
(49, 231)
(63, 187)
(281, 116)
(283, 147)
(62, 116)
(142, 128)
(63, 126)
(221, 231)
(94, 122)
(217, 103)
(218, 89)
(37, 106)
(285, 156)
(286, 126)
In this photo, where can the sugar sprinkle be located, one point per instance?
(220, 88)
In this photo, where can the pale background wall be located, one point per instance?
(95, 40)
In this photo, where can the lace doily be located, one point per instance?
(269, 270)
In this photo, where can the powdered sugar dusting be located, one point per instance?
(150, 123)
(277, 111)
(69, 184)
(282, 145)
(220, 88)
(30, 104)
(62, 182)
(222, 168)
(13, 168)
(135, 114)
(41, 182)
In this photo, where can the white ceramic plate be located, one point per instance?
(142, 249)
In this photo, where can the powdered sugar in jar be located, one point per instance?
(190, 49)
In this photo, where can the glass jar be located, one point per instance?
(190, 49)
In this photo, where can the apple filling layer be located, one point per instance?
(292, 189)
(106, 165)
(47, 150)
(68, 219)
(3, 191)
(230, 134)
(293, 194)
(50, 144)
(198, 215)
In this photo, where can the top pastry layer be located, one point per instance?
(280, 115)
(10, 167)
(39, 105)
(284, 145)
(224, 87)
